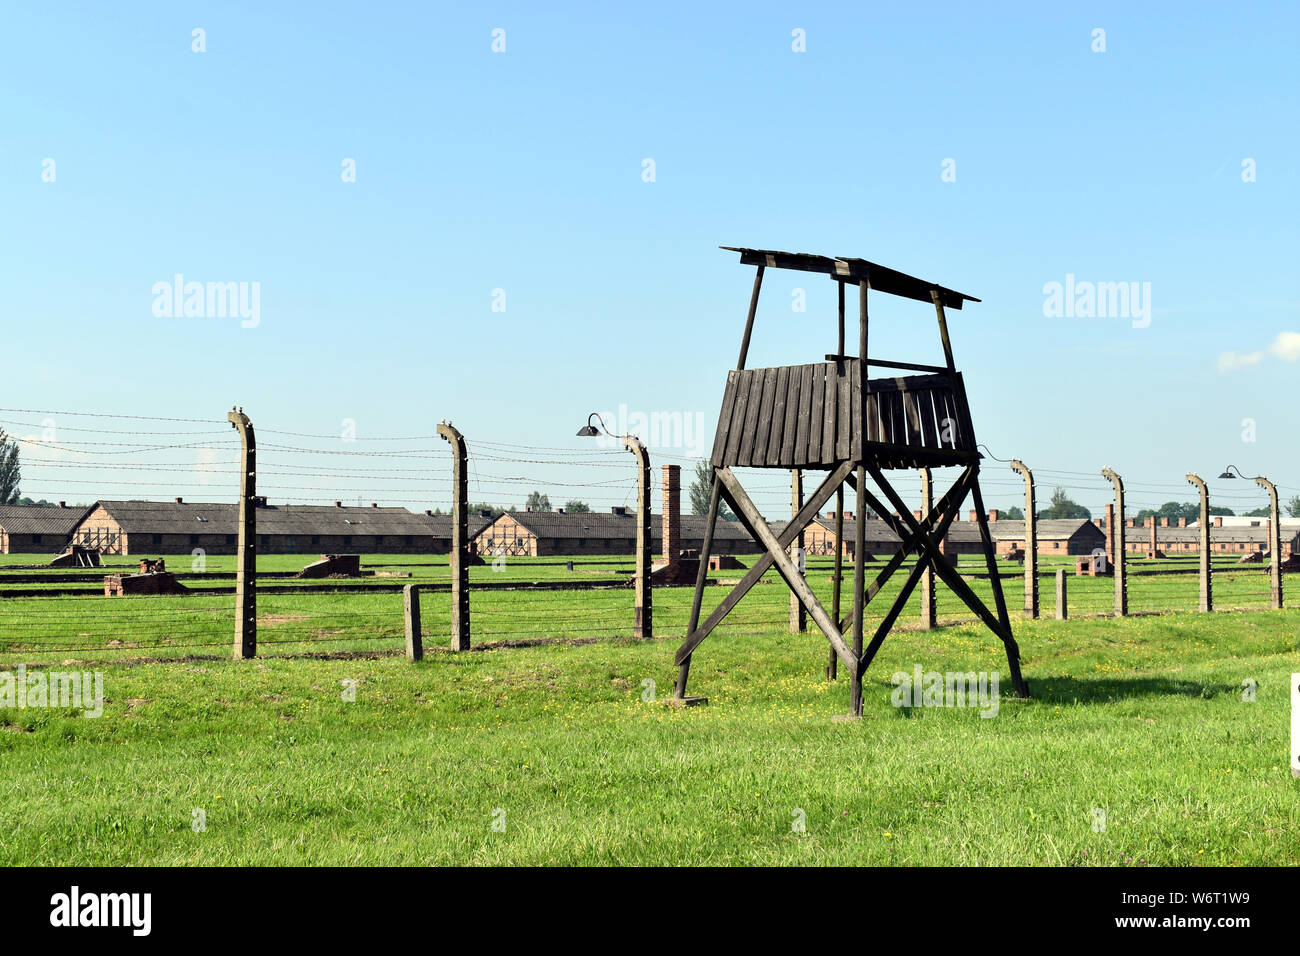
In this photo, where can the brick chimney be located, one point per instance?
(338, 504)
(974, 515)
(179, 500)
(1164, 522)
(63, 504)
(1218, 521)
(1110, 533)
(672, 512)
(848, 516)
(916, 513)
(993, 514)
(374, 504)
(1132, 522)
(1182, 522)
(830, 515)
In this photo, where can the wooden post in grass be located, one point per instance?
(1203, 526)
(411, 609)
(246, 563)
(1119, 562)
(459, 538)
(798, 616)
(1295, 725)
(1062, 609)
(1031, 540)
(928, 604)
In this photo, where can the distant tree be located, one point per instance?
(1258, 513)
(537, 502)
(1014, 513)
(1293, 506)
(700, 490)
(10, 472)
(1063, 507)
(577, 507)
(1173, 510)
(35, 504)
(494, 510)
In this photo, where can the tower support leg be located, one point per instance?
(701, 578)
(859, 582)
(1000, 601)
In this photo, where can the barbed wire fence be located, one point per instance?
(83, 459)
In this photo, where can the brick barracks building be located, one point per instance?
(178, 527)
(1055, 536)
(36, 529)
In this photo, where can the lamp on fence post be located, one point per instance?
(1274, 532)
(642, 615)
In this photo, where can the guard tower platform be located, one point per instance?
(832, 416)
(811, 416)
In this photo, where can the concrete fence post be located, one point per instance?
(459, 538)
(1120, 562)
(411, 613)
(1031, 539)
(928, 605)
(642, 613)
(1207, 592)
(1274, 542)
(798, 616)
(1062, 608)
(246, 563)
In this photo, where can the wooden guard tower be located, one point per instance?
(832, 416)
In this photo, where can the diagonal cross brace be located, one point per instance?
(941, 565)
(951, 499)
(1000, 625)
(923, 561)
(741, 502)
(800, 521)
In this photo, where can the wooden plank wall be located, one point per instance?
(799, 416)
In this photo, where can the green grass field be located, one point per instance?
(1142, 718)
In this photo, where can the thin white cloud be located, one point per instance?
(1285, 347)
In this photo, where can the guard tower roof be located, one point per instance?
(848, 269)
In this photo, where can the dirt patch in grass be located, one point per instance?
(274, 620)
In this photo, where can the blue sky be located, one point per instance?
(523, 171)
